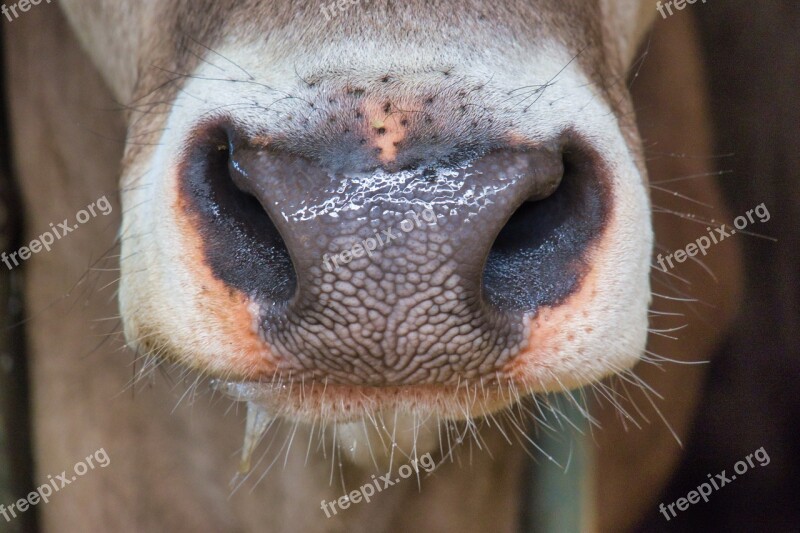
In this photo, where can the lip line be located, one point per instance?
(344, 403)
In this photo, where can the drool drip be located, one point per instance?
(258, 420)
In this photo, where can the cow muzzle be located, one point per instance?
(418, 270)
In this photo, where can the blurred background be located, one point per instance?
(752, 395)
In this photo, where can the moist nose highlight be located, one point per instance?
(389, 265)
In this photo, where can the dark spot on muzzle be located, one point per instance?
(378, 275)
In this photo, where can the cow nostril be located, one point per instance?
(538, 257)
(242, 245)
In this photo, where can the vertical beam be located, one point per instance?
(561, 499)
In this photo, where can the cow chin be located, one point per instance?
(522, 239)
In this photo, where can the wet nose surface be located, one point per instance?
(389, 265)
(371, 272)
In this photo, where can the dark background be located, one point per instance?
(752, 398)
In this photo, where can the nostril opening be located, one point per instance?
(539, 256)
(242, 245)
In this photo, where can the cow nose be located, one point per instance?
(375, 273)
